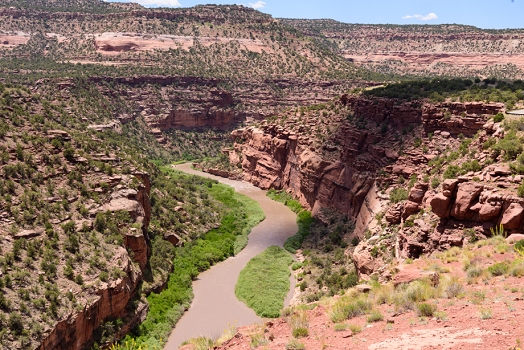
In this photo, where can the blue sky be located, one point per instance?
(480, 13)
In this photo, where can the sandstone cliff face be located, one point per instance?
(108, 302)
(111, 300)
(273, 158)
(190, 102)
(340, 171)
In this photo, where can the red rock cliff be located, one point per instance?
(337, 169)
(111, 299)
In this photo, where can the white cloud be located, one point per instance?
(257, 5)
(428, 17)
(159, 3)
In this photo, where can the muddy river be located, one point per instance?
(215, 307)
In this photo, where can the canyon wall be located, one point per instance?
(341, 171)
(186, 103)
(113, 299)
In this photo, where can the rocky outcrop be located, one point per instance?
(458, 117)
(474, 202)
(110, 301)
(454, 117)
(284, 157)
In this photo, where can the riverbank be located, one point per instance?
(215, 307)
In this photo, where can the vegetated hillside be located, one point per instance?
(206, 67)
(83, 6)
(426, 50)
(232, 42)
(89, 224)
(417, 178)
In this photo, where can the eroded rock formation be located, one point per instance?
(112, 299)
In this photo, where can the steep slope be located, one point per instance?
(88, 224)
(332, 155)
(421, 180)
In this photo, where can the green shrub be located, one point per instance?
(498, 269)
(451, 172)
(304, 221)
(474, 271)
(286, 198)
(520, 190)
(339, 327)
(498, 117)
(296, 266)
(519, 245)
(15, 323)
(345, 308)
(300, 332)
(510, 144)
(375, 316)
(426, 309)
(104, 276)
(398, 195)
(268, 272)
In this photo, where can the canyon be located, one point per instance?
(341, 171)
(97, 97)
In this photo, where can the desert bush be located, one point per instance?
(375, 316)
(16, 323)
(498, 269)
(451, 287)
(398, 195)
(498, 117)
(299, 324)
(451, 172)
(426, 309)
(347, 307)
(511, 145)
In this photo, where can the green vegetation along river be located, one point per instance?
(215, 307)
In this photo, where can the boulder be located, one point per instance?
(364, 263)
(403, 170)
(408, 275)
(417, 192)
(512, 217)
(440, 205)
(364, 288)
(172, 238)
(29, 233)
(394, 214)
(501, 170)
(467, 194)
(489, 211)
(391, 154)
(410, 208)
(448, 187)
(514, 238)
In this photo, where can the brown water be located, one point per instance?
(215, 307)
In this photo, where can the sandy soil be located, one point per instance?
(462, 327)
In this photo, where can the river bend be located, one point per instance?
(215, 306)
